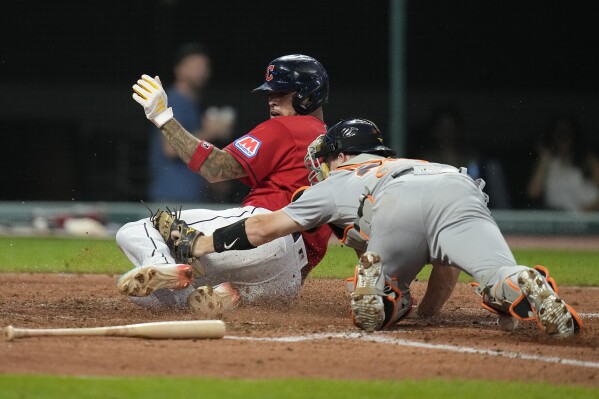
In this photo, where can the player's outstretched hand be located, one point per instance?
(150, 94)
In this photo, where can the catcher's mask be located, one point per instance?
(319, 170)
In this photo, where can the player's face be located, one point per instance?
(281, 104)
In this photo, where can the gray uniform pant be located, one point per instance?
(443, 218)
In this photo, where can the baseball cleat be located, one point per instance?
(553, 315)
(142, 281)
(367, 305)
(214, 300)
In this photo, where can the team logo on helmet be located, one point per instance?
(349, 131)
(269, 70)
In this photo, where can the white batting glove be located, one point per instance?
(150, 94)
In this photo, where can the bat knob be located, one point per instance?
(9, 333)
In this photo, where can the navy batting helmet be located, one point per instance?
(300, 74)
(354, 136)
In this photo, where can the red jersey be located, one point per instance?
(272, 155)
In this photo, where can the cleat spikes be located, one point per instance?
(207, 300)
(552, 312)
(142, 281)
(367, 299)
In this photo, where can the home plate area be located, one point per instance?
(312, 338)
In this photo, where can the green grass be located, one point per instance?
(19, 254)
(36, 254)
(24, 254)
(567, 267)
(24, 386)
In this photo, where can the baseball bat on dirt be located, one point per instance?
(159, 330)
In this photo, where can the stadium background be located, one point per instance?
(74, 144)
(71, 131)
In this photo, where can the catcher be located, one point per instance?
(409, 212)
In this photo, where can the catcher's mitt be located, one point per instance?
(168, 221)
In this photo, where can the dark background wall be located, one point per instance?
(71, 131)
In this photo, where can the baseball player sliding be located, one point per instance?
(409, 212)
(270, 160)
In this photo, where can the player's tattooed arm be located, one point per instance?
(183, 142)
(219, 166)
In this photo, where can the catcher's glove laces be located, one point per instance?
(170, 220)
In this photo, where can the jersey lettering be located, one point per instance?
(248, 145)
(269, 72)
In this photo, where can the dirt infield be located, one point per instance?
(312, 338)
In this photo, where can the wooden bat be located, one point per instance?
(159, 330)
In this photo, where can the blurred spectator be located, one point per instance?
(446, 145)
(171, 180)
(566, 174)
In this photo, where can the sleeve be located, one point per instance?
(262, 150)
(315, 207)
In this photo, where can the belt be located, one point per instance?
(427, 170)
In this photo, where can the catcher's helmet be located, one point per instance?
(354, 136)
(300, 74)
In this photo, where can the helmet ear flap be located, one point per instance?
(301, 104)
(308, 100)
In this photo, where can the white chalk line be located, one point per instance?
(583, 315)
(382, 339)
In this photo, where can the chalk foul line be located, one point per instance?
(383, 339)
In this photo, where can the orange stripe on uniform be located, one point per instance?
(344, 238)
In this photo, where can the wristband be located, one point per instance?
(199, 156)
(231, 237)
(163, 117)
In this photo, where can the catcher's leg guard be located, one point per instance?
(397, 305)
(214, 300)
(527, 295)
(498, 298)
(142, 281)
